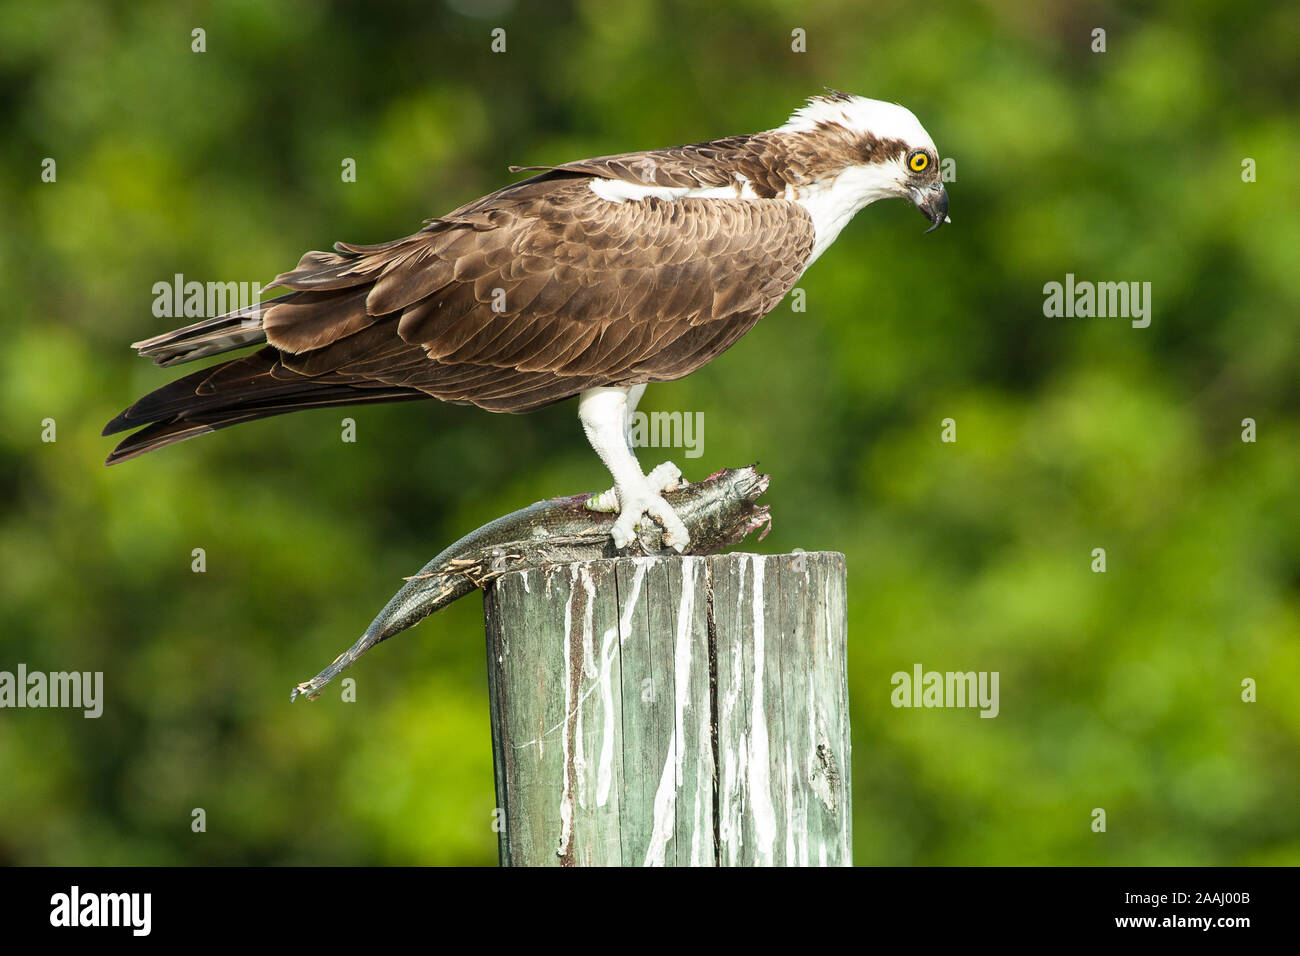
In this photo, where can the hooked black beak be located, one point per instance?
(933, 202)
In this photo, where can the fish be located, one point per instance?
(719, 511)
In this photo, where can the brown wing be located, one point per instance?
(550, 291)
(518, 300)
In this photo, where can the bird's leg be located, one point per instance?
(663, 477)
(634, 393)
(605, 417)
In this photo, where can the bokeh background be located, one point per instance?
(1119, 690)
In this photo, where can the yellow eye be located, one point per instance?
(918, 161)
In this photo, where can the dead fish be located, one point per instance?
(718, 512)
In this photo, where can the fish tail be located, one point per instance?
(389, 622)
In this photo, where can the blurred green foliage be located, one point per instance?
(1119, 690)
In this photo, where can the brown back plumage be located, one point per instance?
(515, 301)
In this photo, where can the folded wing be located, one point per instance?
(518, 300)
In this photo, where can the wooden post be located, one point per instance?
(687, 711)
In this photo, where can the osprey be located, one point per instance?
(592, 278)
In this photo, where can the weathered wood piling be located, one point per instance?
(688, 711)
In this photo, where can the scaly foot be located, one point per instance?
(663, 477)
(644, 499)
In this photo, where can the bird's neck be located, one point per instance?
(832, 202)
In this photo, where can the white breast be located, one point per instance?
(834, 203)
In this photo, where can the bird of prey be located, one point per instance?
(592, 278)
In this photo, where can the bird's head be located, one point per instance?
(870, 150)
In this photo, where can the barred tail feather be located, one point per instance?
(211, 336)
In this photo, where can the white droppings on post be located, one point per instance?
(662, 827)
(566, 792)
(605, 768)
(734, 757)
(589, 669)
(610, 642)
(726, 823)
(639, 566)
(625, 623)
(670, 780)
(760, 783)
(682, 663)
(524, 574)
(579, 760)
(729, 830)
(581, 573)
(701, 832)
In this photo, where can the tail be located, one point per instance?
(241, 390)
(328, 302)
(244, 391)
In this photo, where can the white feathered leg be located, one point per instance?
(606, 417)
